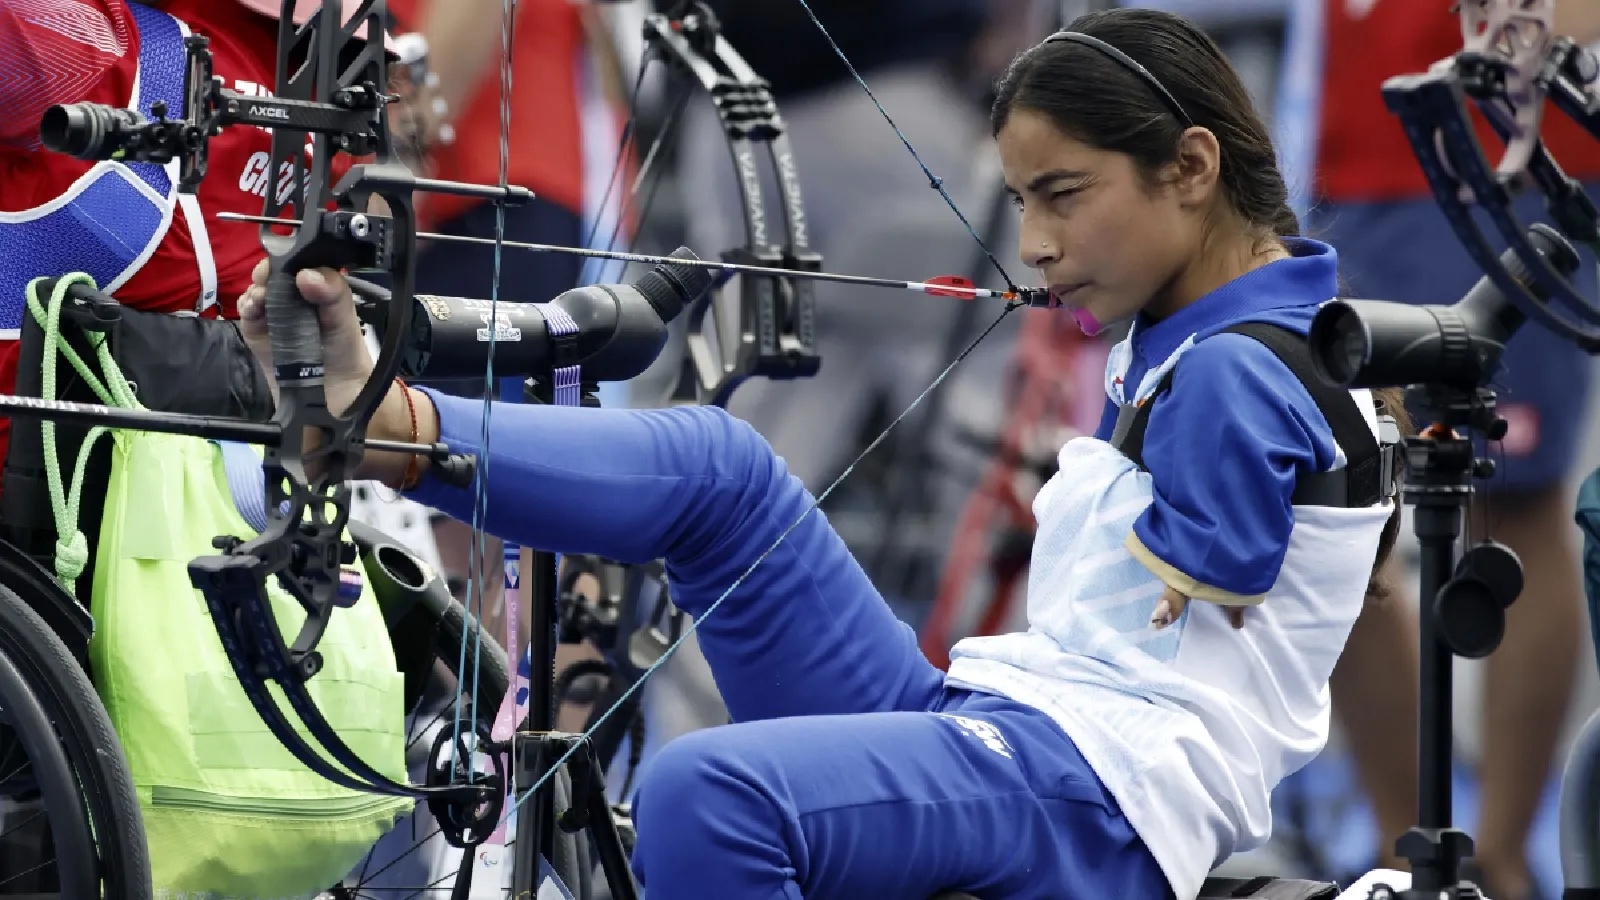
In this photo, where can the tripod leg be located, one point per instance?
(607, 842)
(535, 819)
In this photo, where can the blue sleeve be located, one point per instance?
(693, 486)
(1223, 448)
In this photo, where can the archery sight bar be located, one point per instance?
(353, 117)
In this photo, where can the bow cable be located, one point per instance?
(480, 499)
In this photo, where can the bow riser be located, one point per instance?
(329, 89)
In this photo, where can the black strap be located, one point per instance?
(1357, 485)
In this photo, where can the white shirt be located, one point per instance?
(1189, 727)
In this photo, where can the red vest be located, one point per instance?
(97, 59)
(546, 139)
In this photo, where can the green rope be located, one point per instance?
(72, 548)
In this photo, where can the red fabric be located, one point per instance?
(78, 50)
(545, 142)
(1363, 153)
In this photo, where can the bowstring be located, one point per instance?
(645, 167)
(629, 207)
(614, 179)
(934, 181)
(480, 499)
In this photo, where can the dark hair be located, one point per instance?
(1095, 99)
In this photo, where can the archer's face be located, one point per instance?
(1104, 239)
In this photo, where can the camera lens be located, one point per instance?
(1344, 344)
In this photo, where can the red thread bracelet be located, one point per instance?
(413, 465)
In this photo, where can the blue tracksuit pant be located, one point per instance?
(852, 771)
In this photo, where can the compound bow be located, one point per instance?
(1511, 62)
(332, 88)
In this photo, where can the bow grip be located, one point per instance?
(294, 330)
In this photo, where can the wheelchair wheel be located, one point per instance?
(71, 825)
(458, 628)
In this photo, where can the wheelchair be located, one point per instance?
(81, 781)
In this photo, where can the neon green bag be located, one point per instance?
(228, 811)
(227, 808)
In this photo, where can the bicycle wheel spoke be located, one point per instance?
(400, 856)
(13, 773)
(12, 830)
(25, 872)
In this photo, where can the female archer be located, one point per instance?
(1128, 742)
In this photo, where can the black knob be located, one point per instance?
(1497, 566)
(1470, 617)
(1580, 66)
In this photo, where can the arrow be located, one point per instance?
(940, 286)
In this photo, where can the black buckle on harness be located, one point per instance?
(1388, 456)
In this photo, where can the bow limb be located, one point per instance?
(768, 329)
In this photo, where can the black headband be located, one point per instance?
(1129, 63)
